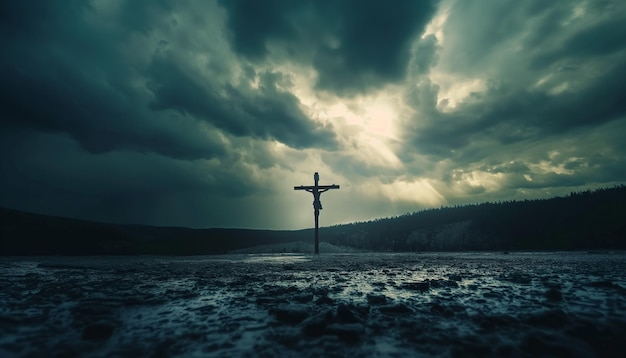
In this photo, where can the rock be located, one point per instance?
(282, 291)
(550, 319)
(399, 308)
(346, 314)
(554, 295)
(325, 300)
(270, 300)
(349, 333)
(443, 283)
(436, 283)
(519, 278)
(321, 291)
(602, 284)
(546, 345)
(417, 286)
(376, 299)
(316, 326)
(494, 322)
(289, 314)
(472, 348)
(493, 294)
(439, 309)
(307, 297)
(98, 331)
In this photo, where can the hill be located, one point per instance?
(586, 220)
(24, 233)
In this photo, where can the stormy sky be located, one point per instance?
(206, 113)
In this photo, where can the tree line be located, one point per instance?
(583, 220)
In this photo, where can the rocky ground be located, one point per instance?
(365, 304)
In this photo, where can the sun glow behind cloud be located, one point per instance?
(367, 124)
(442, 102)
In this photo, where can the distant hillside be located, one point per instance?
(581, 221)
(586, 220)
(33, 234)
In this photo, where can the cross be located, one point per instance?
(317, 191)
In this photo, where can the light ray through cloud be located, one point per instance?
(205, 113)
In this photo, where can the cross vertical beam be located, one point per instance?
(317, 191)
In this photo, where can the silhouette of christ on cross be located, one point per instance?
(317, 191)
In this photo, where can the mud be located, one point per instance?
(440, 304)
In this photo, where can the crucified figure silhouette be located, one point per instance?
(317, 191)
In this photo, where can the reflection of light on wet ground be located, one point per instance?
(276, 258)
(224, 304)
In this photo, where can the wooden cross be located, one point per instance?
(317, 191)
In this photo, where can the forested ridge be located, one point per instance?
(583, 220)
(586, 220)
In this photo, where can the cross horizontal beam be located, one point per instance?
(310, 187)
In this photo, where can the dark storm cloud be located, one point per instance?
(425, 55)
(374, 39)
(478, 31)
(265, 113)
(511, 109)
(602, 39)
(511, 115)
(61, 74)
(48, 173)
(198, 112)
(107, 113)
(254, 22)
(355, 46)
(59, 100)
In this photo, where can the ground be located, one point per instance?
(358, 304)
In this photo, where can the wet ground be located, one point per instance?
(447, 304)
